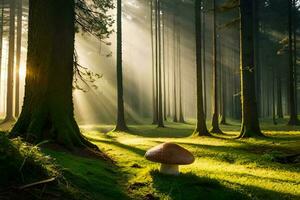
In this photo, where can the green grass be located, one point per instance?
(224, 168)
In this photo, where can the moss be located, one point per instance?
(224, 168)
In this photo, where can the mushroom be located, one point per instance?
(170, 155)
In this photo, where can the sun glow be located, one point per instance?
(22, 72)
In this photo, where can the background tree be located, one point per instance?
(250, 124)
(201, 129)
(121, 124)
(11, 62)
(215, 116)
(18, 55)
(292, 72)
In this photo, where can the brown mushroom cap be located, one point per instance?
(170, 154)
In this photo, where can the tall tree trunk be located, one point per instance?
(256, 54)
(203, 42)
(201, 129)
(215, 117)
(168, 71)
(160, 118)
(181, 116)
(121, 124)
(18, 57)
(47, 112)
(175, 119)
(250, 124)
(273, 96)
(295, 52)
(292, 95)
(164, 69)
(11, 63)
(154, 115)
(279, 95)
(223, 87)
(1, 46)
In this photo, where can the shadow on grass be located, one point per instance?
(190, 186)
(97, 179)
(132, 149)
(167, 132)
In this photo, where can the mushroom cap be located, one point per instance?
(170, 153)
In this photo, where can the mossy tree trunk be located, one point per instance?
(250, 124)
(121, 124)
(47, 111)
(201, 129)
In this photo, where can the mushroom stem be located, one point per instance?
(169, 169)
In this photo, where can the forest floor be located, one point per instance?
(224, 168)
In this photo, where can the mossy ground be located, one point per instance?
(225, 168)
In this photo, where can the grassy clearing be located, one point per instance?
(224, 168)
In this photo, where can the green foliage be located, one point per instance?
(92, 17)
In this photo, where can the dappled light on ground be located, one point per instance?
(224, 169)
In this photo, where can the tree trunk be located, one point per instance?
(292, 95)
(121, 124)
(279, 95)
(160, 122)
(47, 112)
(18, 57)
(203, 52)
(273, 96)
(256, 54)
(201, 129)
(1, 46)
(215, 117)
(175, 119)
(181, 116)
(295, 52)
(250, 124)
(164, 69)
(154, 115)
(223, 88)
(11, 63)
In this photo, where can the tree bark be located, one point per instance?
(11, 63)
(279, 95)
(250, 124)
(121, 124)
(181, 116)
(215, 117)
(175, 118)
(18, 57)
(292, 95)
(201, 129)
(47, 111)
(160, 122)
(1, 45)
